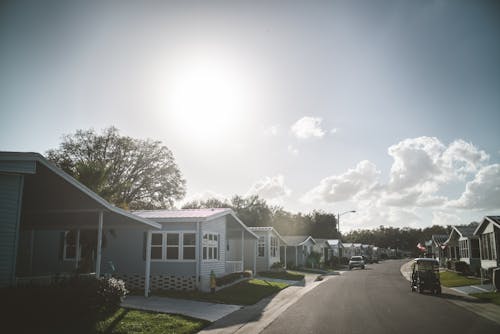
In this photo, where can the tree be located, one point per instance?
(130, 173)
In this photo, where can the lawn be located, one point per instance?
(286, 275)
(126, 321)
(451, 279)
(244, 293)
(492, 297)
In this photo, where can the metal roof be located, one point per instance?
(194, 214)
(495, 220)
(297, 240)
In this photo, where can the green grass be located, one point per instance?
(492, 297)
(451, 279)
(125, 321)
(286, 275)
(243, 293)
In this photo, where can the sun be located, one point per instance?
(208, 101)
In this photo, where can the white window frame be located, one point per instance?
(77, 242)
(180, 246)
(261, 246)
(210, 246)
(273, 249)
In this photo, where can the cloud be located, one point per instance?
(271, 188)
(371, 215)
(308, 127)
(272, 130)
(355, 182)
(444, 218)
(293, 150)
(483, 192)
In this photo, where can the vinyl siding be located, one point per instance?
(219, 267)
(10, 207)
(22, 167)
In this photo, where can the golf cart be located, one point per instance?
(425, 276)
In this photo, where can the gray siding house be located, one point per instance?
(297, 250)
(488, 232)
(45, 213)
(268, 248)
(463, 245)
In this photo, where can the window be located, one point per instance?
(189, 246)
(261, 247)
(157, 246)
(173, 246)
(210, 245)
(69, 250)
(274, 246)
(464, 248)
(488, 251)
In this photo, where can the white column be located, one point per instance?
(255, 257)
(199, 238)
(296, 257)
(77, 256)
(285, 255)
(242, 249)
(99, 246)
(148, 264)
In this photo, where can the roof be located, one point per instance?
(185, 214)
(32, 156)
(356, 245)
(462, 231)
(347, 244)
(495, 220)
(425, 259)
(334, 243)
(297, 240)
(439, 238)
(267, 229)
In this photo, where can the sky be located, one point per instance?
(388, 108)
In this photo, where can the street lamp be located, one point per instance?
(338, 218)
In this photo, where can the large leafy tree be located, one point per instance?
(130, 173)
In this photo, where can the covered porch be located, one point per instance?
(61, 226)
(238, 237)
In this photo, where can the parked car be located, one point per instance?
(356, 261)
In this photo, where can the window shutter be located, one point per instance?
(61, 245)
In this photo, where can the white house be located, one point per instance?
(463, 245)
(268, 248)
(488, 232)
(297, 249)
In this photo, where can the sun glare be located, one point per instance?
(208, 101)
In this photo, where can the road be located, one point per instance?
(376, 300)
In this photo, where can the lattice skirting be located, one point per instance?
(159, 282)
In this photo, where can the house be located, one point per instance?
(438, 248)
(297, 250)
(488, 232)
(45, 213)
(189, 246)
(335, 248)
(268, 248)
(463, 245)
(321, 247)
(52, 225)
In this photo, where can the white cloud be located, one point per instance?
(334, 131)
(272, 130)
(444, 218)
(355, 182)
(308, 127)
(371, 215)
(483, 192)
(464, 158)
(293, 150)
(271, 188)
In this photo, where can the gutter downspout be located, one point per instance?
(198, 255)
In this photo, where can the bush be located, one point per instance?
(334, 261)
(313, 259)
(277, 266)
(344, 260)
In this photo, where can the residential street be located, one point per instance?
(376, 300)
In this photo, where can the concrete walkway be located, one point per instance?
(254, 318)
(460, 296)
(195, 309)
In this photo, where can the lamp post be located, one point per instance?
(338, 218)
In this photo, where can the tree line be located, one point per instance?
(142, 174)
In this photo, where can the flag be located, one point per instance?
(420, 247)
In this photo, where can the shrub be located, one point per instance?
(277, 266)
(344, 260)
(313, 259)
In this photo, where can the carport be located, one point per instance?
(35, 195)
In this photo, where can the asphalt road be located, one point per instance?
(376, 300)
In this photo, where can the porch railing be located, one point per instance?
(234, 266)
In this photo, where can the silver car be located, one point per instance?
(356, 261)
